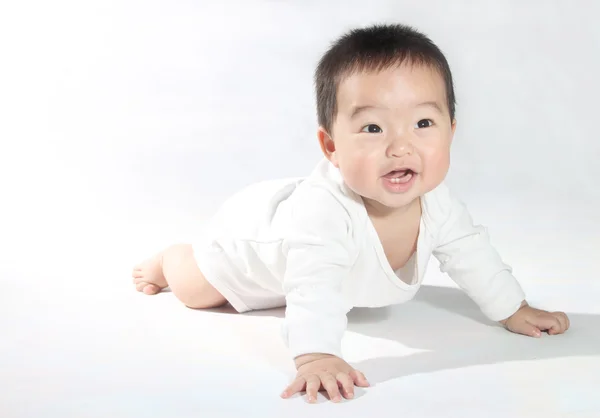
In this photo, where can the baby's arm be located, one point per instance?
(466, 254)
(320, 253)
(315, 320)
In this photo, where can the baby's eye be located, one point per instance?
(372, 129)
(424, 123)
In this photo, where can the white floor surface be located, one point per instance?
(78, 341)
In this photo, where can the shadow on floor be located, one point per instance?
(447, 323)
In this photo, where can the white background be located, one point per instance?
(124, 124)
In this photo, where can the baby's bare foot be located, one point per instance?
(148, 276)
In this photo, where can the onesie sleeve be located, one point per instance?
(467, 256)
(319, 249)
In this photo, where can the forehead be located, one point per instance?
(398, 86)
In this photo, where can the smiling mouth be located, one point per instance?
(400, 176)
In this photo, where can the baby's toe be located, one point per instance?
(151, 289)
(140, 286)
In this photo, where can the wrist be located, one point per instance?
(310, 357)
(523, 304)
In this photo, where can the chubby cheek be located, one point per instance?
(357, 168)
(435, 167)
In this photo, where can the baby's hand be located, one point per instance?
(327, 371)
(531, 321)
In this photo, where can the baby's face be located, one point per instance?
(388, 122)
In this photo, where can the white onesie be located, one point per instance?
(308, 244)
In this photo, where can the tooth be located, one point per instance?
(403, 179)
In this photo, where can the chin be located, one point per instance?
(382, 197)
(399, 203)
(393, 202)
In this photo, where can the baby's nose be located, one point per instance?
(401, 145)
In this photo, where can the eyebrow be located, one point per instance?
(433, 104)
(356, 110)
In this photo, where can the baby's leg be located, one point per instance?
(176, 267)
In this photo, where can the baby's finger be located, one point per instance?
(526, 328)
(296, 386)
(331, 386)
(548, 323)
(564, 321)
(347, 385)
(359, 378)
(313, 384)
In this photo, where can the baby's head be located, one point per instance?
(385, 102)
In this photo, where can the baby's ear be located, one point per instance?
(327, 145)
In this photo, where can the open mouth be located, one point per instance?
(400, 176)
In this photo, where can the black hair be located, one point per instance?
(375, 48)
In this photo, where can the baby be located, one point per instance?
(358, 231)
